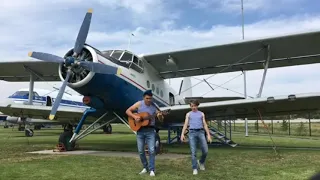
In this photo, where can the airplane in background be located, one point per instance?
(41, 97)
(113, 80)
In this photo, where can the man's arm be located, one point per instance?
(186, 122)
(205, 126)
(132, 108)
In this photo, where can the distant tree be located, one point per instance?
(301, 129)
(284, 125)
(256, 125)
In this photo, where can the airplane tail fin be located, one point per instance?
(185, 87)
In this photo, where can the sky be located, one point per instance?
(159, 26)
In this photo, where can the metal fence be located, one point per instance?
(289, 127)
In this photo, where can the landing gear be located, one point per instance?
(37, 127)
(69, 138)
(5, 126)
(28, 132)
(64, 140)
(107, 129)
(21, 128)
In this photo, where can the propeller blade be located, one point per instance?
(59, 96)
(83, 32)
(99, 68)
(46, 57)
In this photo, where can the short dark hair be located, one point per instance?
(147, 92)
(195, 102)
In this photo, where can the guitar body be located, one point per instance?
(144, 121)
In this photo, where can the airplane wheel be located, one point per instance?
(107, 129)
(5, 126)
(157, 144)
(64, 140)
(28, 132)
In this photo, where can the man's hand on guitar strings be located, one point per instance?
(136, 118)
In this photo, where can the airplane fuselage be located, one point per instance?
(119, 91)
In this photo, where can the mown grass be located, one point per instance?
(222, 163)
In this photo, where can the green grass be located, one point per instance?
(222, 163)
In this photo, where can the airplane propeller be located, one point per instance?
(73, 61)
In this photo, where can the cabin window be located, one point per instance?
(153, 87)
(161, 93)
(157, 90)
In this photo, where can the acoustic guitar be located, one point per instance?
(144, 119)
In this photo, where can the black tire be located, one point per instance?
(64, 140)
(28, 132)
(157, 144)
(107, 129)
(5, 126)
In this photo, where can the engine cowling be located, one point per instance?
(79, 76)
(16, 120)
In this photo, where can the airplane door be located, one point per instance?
(171, 99)
(49, 101)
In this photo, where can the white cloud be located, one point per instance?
(23, 35)
(234, 6)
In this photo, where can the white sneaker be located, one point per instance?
(152, 173)
(201, 166)
(195, 171)
(144, 170)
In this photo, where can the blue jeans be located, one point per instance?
(148, 136)
(196, 136)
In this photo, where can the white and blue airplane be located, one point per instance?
(112, 80)
(42, 97)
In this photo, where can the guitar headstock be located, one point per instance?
(165, 112)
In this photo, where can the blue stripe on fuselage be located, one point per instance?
(116, 93)
(42, 99)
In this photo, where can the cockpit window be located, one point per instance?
(137, 64)
(117, 54)
(21, 93)
(126, 57)
(24, 93)
(107, 53)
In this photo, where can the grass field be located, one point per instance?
(222, 163)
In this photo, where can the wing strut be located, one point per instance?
(31, 85)
(229, 66)
(265, 70)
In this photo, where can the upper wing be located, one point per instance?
(242, 108)
(289, 50)
(20, 71)
(67, 114)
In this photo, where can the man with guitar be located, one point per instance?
(146, 132)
